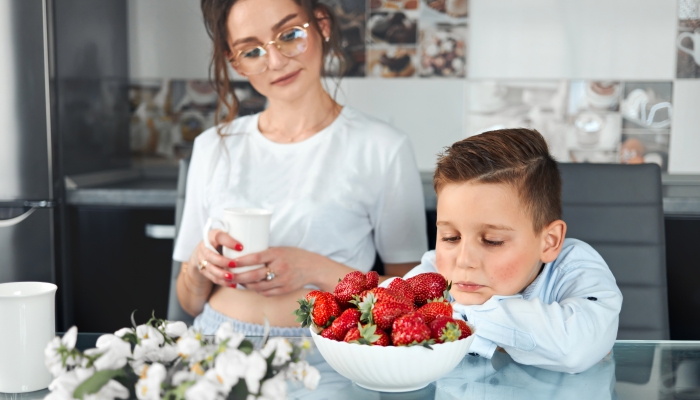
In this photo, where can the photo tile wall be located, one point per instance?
(583, 121)
(688, 41)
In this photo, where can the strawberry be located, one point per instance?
(433, 309)
(319, 308)
(428, 286)
(466, 331)
(445, 329)
(410, 330)
(384, 294)
(311, 294)
(347, 320)
(381, 306)
(402, 287)
(372, 280)
(328, 334)
(368, 334)
(385, 312)
(350, 286)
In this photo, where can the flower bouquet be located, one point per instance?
(165, 360)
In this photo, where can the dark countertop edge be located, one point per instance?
(122, 197)
(91, 194)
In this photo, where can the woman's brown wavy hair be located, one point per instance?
(216, 13)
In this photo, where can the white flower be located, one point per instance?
(63, 386)
(110, 391)
(114, 351)
(182, 376)
(52, 356)
(175, 329)
(189, 343)
(53, 360)
(305, 373)
(146, 353)
(148, 386)
(70, 338)
(282, 349)
(168, 353)
(257, 366)
(226, 331)
(273, 389)
(120, 333)
(149, 336)
(311, 378)
(204, 389)
(230, 366)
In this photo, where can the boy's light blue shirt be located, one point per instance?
(566, 320)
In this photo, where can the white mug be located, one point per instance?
(695, 38)
(28, 325)
(249, 226)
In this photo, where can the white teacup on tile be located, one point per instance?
(695, 39)
(249, 226)
(27, 322)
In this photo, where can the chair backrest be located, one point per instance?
(618, 210)
(175, 311)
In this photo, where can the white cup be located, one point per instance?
(695, 38)
(249, 226)
(27, 325)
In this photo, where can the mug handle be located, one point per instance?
(207, 228)
(680, 39)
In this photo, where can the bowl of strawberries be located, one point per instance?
(397, 338)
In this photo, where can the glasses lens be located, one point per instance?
(252, 60)
(292, 42)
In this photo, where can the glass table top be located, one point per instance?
(633, 370)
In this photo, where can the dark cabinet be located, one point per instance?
(116, 267)
(683, 272)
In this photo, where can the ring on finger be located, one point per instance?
(202, 265)
(269, 275)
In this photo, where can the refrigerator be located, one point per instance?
(27, 178)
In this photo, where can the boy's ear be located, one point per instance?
(553, 236)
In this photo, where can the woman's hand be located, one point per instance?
(292, 267)
(215, 267)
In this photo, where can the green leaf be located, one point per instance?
(239, 391)
(246, 347)
(94, 383)
(133, 321)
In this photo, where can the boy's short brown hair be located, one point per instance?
(519, 157)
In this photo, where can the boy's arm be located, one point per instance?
(568, 335)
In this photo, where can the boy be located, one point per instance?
(547, 301)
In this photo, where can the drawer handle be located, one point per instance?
(16, 220)
(160, 231)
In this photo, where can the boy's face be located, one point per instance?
(486, 244)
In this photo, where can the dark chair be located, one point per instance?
(175, 311)
(618, 210)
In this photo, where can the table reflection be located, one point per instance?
(634, 370)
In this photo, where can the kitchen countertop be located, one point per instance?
(157, 187)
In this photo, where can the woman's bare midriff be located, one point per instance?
(249, 306)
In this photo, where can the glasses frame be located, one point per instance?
(304, 27)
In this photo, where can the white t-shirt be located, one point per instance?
(349, 191)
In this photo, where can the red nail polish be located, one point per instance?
(238, 247)
(228, 276)
(233, 285)
(232, 264)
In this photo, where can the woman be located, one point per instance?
(342, 186)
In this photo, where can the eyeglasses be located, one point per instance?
(290, 43)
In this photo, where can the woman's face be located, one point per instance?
(256, 22)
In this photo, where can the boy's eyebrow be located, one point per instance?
(274, 28)
(497, 227)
